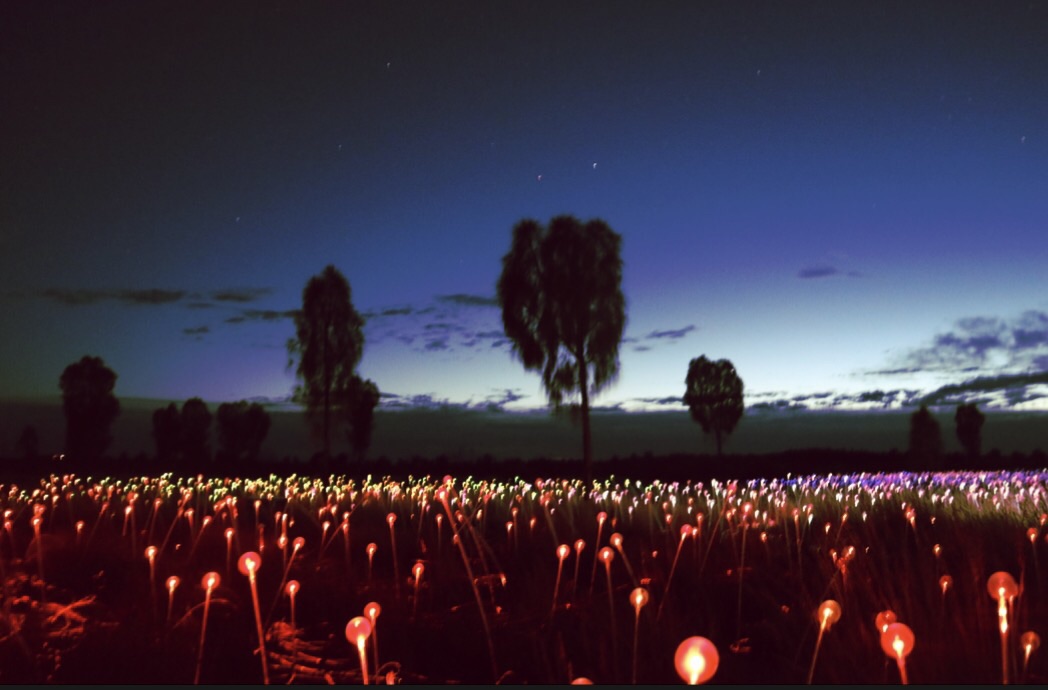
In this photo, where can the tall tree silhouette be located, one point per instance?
(196, 433)
(713, 394)
(167, 435)
(328, 344)
(361, 410)
(28, 444)
(969, 422)
(563, 308)
(90, 408)
(925, 437)
(242, 428)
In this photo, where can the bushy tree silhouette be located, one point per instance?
(969, 422)
(90, 408)
(242, 428)
(361, 411)
(713, 394)
(925, 438)
(328, 344)
(196, 433)
(167, 435)
(562, 306)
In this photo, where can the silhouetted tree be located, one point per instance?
(563, 308)
(713, 394)
(241, 429)
(167, 435)
(361, 411)
(196, 433)
(969, 428)
(328, 345)
(925, 437)
(28, 444)
(90, 408)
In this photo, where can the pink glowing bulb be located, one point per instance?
(696, 660)
(685, 532)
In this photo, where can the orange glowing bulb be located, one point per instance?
(607, 556)
(1002, 584)
(210, 581)
(417, 570)
(292, 588)
(150, 552)
(173, 582)
(945, 582)
(372, 548)
(391, 518)
(357, 631)
(829, 613)
(562, 551)
(298, 543)
(639, 598)
(579, 546)
(249, 563)
(897, 641)
(229, 534)
(884, 619)
(696, 660)
(601, 517)
(372, 611)
(616, 540)
(1030, 641)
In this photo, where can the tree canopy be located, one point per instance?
(969, 422)
(328, 345)
(242, 427)
(562, 307)
(925, 437)
(713, 394)
(90, 407)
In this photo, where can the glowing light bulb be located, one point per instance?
(696, 660)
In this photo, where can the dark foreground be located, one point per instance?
(745, 564)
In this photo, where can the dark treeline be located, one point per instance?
(564, 311)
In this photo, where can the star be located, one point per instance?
(539, 178)
(594, 166)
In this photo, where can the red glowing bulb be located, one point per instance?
(897, 641)
(249, 563)
(696, 660)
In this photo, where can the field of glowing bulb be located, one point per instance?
(873, 578)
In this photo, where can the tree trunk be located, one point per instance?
(327, 396)
(718, 433)
(587, 441)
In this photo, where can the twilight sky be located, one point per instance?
(847, 200)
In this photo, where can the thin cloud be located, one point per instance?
(240, 296)
(81, 297)
(673, 334)
(199, 330)
(817, 272)
(466, 300)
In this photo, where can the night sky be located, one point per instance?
(848, 200)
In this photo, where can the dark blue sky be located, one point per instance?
(841, 198)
